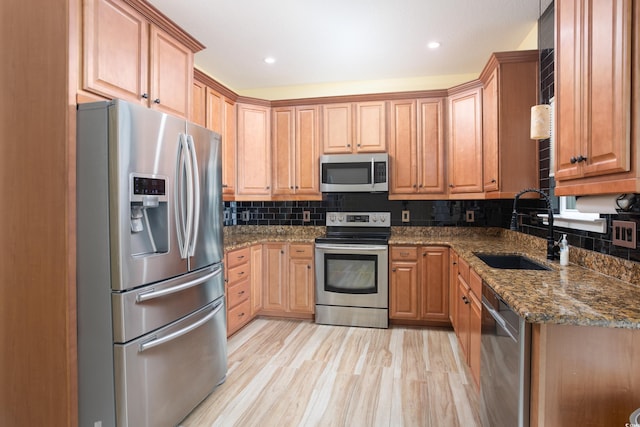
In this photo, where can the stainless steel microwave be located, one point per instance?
(365, 173)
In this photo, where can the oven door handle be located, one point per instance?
(367, 248)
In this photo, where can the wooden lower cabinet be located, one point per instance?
(419, 284)
(288, 280)
(256, 279)
(468, 316)
(238, 288)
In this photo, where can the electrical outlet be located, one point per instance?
(246, 215)
(306, 216)
(406, 216)
(624, 234)
(471, 216)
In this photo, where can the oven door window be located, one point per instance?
(351, 273)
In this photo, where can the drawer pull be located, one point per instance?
(240, 257)
(404, 253)
(241, 273)
(465, 299)
(241, 293)
(300, 251)
(241, 314)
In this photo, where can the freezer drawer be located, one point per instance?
(145, 309)
(162, 376)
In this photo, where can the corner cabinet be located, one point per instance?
(354, 128)
(296, 141)
(416, 149)
(126, 56)
(597, 93)
(254, 152)
(465, 140)
(419, 285)
(510, 156)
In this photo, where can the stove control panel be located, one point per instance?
(358, 219)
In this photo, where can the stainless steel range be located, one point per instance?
(352, 283)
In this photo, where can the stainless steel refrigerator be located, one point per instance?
(150, 290)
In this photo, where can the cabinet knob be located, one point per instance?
(573, 160)
(451, 185)
(282, 252)
(414, 186)
(393, 269)
(581, 158)
(291, 187)
(348, 145)
(308, 267)
(145, 96)
(421, 185)
(268, 187)
(358, 145)
(454, 263)
(465, 299)
(493, 181)
(424, 254)
(157, 100)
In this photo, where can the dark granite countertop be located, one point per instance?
(593, 290)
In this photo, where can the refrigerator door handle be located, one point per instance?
(152, 293)
(154, 342)
(184, 184)
(195, 178)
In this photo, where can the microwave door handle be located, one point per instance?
(195, 179)
(373, 174)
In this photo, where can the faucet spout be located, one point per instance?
(552, 248)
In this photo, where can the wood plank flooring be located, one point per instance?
(296, 373)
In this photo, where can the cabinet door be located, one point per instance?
(434, 284)
(465, 142)
(475, 329)
(301, 285)
(453, 288)
(462, 313)
(307, 147)
(254, 151)
(275, 277)
(490, 132)
(229, 149)
(403, 148)
(404, 290)
(171, 75)
(115, 50)
(214, 116)
(371, 133)
(430, 146)
(199, 104)
(337, 125)
(256, 279)
(283, 140)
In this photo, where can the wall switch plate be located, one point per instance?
(406, 216)
(246, 215)
(624, 234)
(306, 216)
(470, 216)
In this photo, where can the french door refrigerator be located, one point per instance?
(151, 315)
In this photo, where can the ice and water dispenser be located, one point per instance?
(149, 214)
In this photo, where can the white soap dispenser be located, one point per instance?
(564, 250)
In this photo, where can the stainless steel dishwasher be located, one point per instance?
(505, 368)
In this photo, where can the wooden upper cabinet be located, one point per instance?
(295, 140)
(199, 103)
(115, 50)
(510, 156)
(416, 147)
(371, 134)
(354, 127)
(171, 71)
(465, 139)
(125, 56)
(221, 118)
(337, 125)
(595, 124)
(254, 153)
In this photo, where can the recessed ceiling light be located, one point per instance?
(433, 45)
(270, 60)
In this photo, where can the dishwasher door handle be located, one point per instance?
(498, 318)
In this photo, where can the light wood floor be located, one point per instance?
(296, 373)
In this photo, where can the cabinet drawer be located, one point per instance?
(238, 257)
(238, 293)
(463, 270)
(475, 283)
(238, 316)
(238, 273)
(399, 253)
(300, 251)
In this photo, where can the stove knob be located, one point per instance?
(383, 218)
(374, 218)
(332, 218)
(341, 218)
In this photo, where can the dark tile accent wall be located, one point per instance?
(494, 213)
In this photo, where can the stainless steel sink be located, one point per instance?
(511, 262)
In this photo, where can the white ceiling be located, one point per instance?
(329, 41)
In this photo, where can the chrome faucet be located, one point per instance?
(552, 248)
